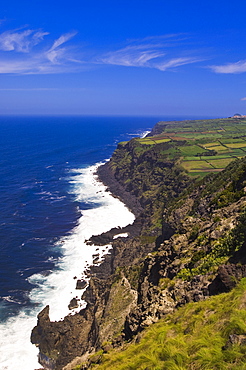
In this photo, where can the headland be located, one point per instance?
(186, 184)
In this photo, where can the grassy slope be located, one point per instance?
(194, 337)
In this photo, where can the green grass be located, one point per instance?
(188, 158)
(208, 135)
(236, 145)
(191, 150)
(219, 156)
(213, 144)
(196, 165)
(194, 337)
(218, 148)
(155, 140)
(221, 163)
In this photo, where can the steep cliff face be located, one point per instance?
(204, 256)
(146, 179)
(187, 242)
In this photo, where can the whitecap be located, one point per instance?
(59, 287)
(122, 235)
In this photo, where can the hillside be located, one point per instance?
(186, 244)
(202, 335)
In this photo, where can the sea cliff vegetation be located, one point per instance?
(172, 294)
(203, 335)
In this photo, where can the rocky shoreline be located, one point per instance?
(153, 269)
(66, 337)
(106, 176)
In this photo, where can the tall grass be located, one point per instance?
(195, 337)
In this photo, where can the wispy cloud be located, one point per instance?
(238, 67)
(28, 51)
(21, 41)
(132, 56)
(55, 53)
(20, 54)
(243, 98)
(161, 52)
(176, 62)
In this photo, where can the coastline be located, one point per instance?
(96, 296)
(46, 279)
(60, 287)
(113, 219)
(143, 277)
(106, 176)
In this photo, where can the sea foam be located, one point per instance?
(57, 289)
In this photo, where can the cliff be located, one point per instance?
(186, 244)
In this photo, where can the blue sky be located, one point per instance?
(154, 58)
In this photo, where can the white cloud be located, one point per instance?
(151, 52)
(21, 41)
(19, 54)
(243, 99)
(238, 67)
(19, 66)
(55, 53)
(132, 56)
(176, 62)
(62, 39)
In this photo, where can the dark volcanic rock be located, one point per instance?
(73, 304)
(227, 278)
(108, 237)
(107, 177)
(229, 275)
(81, 284)
(60, 342)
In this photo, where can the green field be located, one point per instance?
(202, 146)
(196, 165)
(221, 163)
(191, 150)
(216, 146)
(152, 141)
(236, 145)
(213, 144)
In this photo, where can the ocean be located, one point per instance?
(51, 203)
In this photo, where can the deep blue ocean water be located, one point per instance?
(41, 159)
(36, 155)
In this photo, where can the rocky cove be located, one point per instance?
(187, 243)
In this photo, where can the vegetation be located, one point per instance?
(157, 169)
(210, 334)
(192, 139)
(149, 173)
(200, 336)
(187, 183)
(220, 251)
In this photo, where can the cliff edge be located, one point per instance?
(186, 244)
